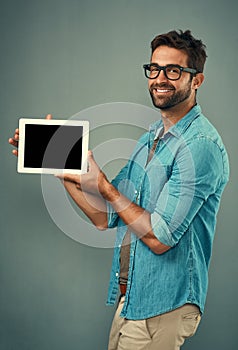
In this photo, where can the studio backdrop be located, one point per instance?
(83, 59)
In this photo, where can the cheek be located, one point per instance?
(184, 85)
(150, 82)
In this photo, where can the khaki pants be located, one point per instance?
(164, 332)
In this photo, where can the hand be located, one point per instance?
(91, 182)
(15, 139)
(14, 142)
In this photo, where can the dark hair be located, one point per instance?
(194, 48)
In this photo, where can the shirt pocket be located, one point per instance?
(156, 178)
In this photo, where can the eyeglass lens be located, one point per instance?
(171, 72)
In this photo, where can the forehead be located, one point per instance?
(164, 55)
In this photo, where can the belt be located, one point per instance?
(123, 288)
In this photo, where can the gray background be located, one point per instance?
(62, 56)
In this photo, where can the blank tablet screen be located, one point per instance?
(37, 138)
(48, 147)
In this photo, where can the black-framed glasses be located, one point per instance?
(171, 71)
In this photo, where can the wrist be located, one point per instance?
(107, 190)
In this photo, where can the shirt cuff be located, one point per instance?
(161, 230)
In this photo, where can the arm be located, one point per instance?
(95, 185)
(137, 218)
(94, 206)
(196, 176)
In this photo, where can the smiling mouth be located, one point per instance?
(162, 91)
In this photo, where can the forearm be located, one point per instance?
(90, 191)
(137, 218)
(94, 206)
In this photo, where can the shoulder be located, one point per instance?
(201, 128)
(206, 147)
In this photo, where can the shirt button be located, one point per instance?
(136, 191)
(117, 274)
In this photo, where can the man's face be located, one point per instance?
(166, 93)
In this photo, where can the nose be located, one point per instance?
(161, 79)
(161, 76)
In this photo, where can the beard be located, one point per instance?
(167, 102)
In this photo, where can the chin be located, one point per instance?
(160, 105)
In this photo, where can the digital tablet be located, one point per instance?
(52, 146)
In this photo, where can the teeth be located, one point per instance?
(159, 90)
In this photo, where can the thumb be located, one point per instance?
(90, 154)
(91, 160)
(90, 157)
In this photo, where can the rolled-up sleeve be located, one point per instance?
(196, 174)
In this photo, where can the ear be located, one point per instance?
(197, 80)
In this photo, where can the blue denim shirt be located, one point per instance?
(181, 187)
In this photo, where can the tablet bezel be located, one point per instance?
(21, 146)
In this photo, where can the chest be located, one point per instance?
(150, 169)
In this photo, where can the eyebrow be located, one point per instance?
(169, 64)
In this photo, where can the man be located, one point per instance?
(164, 204)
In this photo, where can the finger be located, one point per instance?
(15, 152)
(68, 177)
(78, 186)
(16, 136)
(13, 142)
(59, 176)
(48, 116)
(72, 178)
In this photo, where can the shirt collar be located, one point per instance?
(179, 128)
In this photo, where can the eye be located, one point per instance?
(153, 68)
(173, 70)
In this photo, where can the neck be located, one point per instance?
(172, 115)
